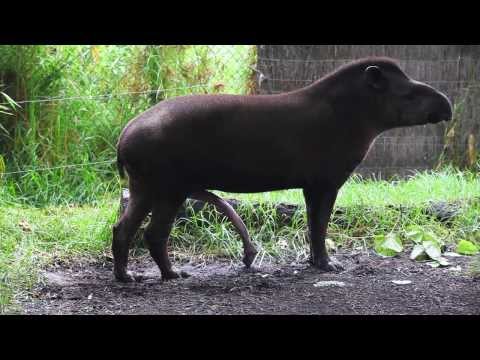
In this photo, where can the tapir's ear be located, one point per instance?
(375, 77)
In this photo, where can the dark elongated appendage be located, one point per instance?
(226, 209)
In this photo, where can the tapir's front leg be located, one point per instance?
(319, 201)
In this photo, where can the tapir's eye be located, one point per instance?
(410, 96)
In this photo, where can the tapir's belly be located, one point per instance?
(239, 176)
(243, 161)
(244, 182)
(265, 169)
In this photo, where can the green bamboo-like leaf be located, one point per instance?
(10, 101)
(2, 127)
(2, 165)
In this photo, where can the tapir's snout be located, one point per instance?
(442, 109)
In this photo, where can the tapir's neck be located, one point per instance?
(351, 109)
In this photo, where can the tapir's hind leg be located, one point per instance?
(165, 207)
(123, 232)
(248, 248)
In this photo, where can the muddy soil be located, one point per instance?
(365, 287)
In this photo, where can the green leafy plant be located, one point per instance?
(427, 246)
(388, 245)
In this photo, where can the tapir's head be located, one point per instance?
(395, 99)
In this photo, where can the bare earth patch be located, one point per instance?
(365, 287)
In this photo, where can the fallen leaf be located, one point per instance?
(25, 226)
(401, 282)
(329, 283)
(331, 246)
(218, 86)
(451, 254)
(283, 244)
(451, 133)
(455, 268)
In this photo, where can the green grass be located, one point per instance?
(31, 237)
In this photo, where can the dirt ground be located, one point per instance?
(365, 287)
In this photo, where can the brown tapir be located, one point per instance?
(312, 138)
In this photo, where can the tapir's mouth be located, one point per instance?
(436, 117)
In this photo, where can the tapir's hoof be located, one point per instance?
(128, 277)
(170, 275)
(330, 265)
(249, 257)
(251, 270)
(184, 274)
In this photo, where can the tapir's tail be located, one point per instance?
(225, 208)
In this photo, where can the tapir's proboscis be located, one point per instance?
(311, 139)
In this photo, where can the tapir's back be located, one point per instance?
(221, 139)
